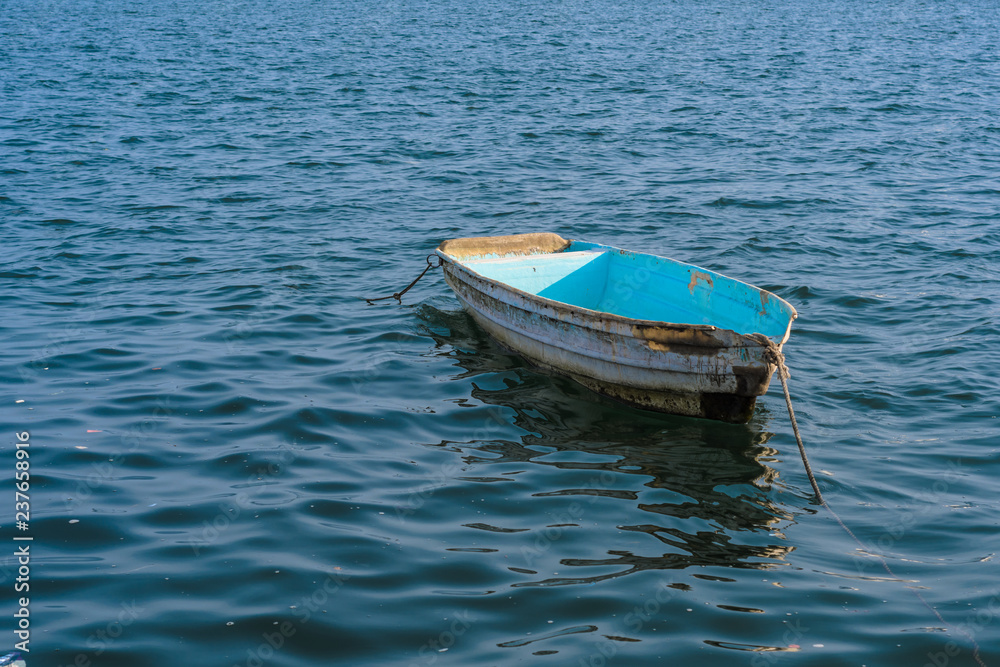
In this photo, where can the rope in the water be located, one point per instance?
(773, 355)
(398, 296)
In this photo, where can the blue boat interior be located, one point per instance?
(640, 286)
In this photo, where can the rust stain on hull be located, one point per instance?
(688, 339)
(699, 276)
(765, 298)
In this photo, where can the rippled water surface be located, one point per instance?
(235, 461)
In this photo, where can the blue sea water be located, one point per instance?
(236, 462)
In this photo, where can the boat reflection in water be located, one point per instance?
(699, 488)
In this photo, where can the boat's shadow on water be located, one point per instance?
(700, 488)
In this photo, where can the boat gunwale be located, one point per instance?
(590, 314)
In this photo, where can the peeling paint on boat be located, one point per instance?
(699, 275)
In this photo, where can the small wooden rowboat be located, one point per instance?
(652, 332)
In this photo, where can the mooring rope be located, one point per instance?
(774, 355)
(398, 296)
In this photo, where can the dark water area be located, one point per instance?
(235, 461)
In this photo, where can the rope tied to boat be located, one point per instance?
(398, 296)
(773, 355)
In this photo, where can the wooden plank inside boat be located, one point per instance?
(504, 246)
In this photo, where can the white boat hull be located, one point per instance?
(686, 369)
